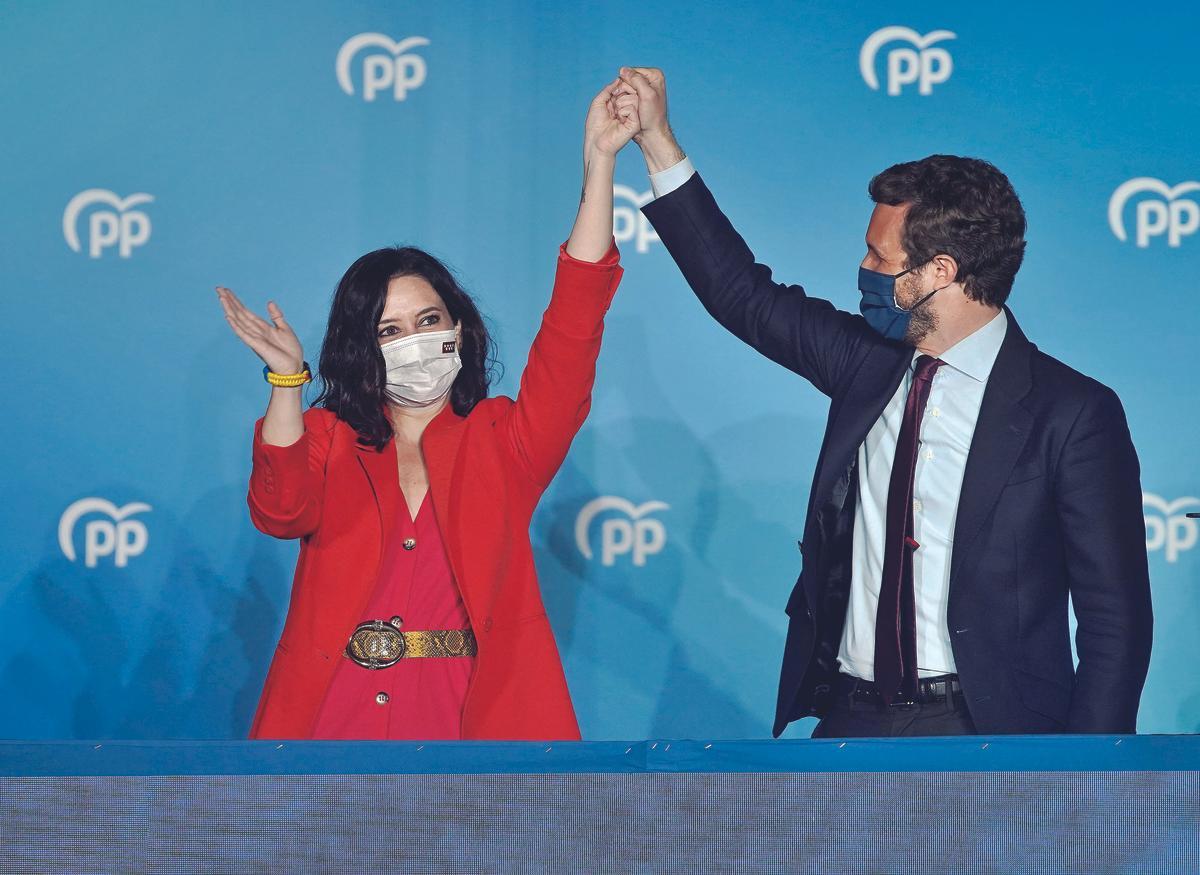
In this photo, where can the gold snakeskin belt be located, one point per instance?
(379, 644)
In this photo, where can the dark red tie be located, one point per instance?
(895, 621)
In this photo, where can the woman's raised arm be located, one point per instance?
(612, 120)
(556, 385)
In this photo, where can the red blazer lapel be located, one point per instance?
(440, 445)
(384, 476)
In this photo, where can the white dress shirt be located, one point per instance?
(946, 431)
(945, 440)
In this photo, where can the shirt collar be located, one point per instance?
(975, 354)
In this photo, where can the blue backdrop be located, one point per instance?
(153, 151)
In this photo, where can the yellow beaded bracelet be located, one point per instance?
(287, 381)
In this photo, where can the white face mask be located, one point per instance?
(421, 367)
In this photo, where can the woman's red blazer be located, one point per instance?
(487, 472)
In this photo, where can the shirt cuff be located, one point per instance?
(666, 181)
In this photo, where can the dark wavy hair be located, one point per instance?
(961, 207)
(351, 366)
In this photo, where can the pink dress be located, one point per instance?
(415, 699)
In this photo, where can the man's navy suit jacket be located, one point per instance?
(1050, 506)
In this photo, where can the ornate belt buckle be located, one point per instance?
(376, 644)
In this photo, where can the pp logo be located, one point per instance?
(1168, 213)
(113, 534)
(629, 533)
(393, 69)
(119, 226)
(628, 221)
(1168, 527)
(917, 62)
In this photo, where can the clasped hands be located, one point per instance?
(633, 106)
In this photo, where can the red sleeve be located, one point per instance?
(287, 483)
(556, 385)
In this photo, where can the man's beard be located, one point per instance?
(923, 320)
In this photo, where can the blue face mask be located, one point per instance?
(878, 304)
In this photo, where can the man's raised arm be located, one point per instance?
(806, 335)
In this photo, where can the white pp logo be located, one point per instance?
(119, 226)
(111, 535)
(1168, 213)
(918, 62)
(393, 68)
(621, 535)
(1168, 527)
(628, 221)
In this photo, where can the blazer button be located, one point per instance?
(487, 625)
(382, 698)
(410, 544)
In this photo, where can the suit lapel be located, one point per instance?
(851, 420)
(861, 406)
(1000, 434)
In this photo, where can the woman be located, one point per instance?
(415, 609)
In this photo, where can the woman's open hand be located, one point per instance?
(274, 342)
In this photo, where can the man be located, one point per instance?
(967, 482)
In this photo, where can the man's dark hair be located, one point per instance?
(964, 208)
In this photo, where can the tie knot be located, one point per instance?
(926, 367)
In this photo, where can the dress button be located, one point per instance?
(382, 698)
(410, 544)
(397, 621)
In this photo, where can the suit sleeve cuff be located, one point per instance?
(274, 457)
(607, 261)
(666, 181)
(583, 291)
